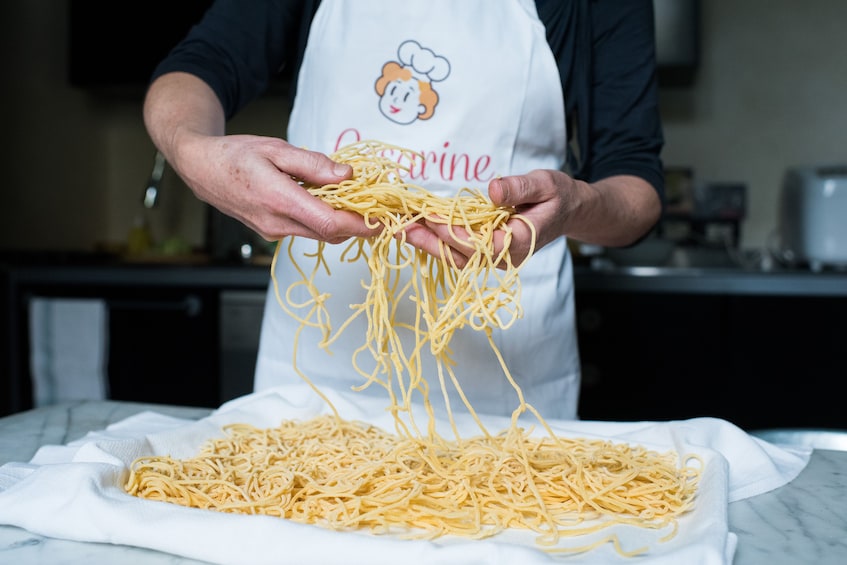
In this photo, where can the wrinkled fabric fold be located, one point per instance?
(75, 491)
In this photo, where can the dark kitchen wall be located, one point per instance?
(54, 149)
(769, 92)
(75, 161)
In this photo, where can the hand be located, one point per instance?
(254, 179)
(535, 196)
(248, 177)
(613, 212)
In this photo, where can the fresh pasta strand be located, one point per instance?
(480, 295)
(348, 475)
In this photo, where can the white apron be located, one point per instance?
(498, 110)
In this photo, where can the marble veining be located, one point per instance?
(803, 522)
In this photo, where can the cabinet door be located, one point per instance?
(163, 346)
(651, 356)
(241, 313)
(757, 361)
(789, 361)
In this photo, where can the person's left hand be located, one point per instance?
(542, 197)
(612, 212)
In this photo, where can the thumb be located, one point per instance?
(314, 167)
(505, 191)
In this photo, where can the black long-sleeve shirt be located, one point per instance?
(605, 50)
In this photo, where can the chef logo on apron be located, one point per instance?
(405, 87)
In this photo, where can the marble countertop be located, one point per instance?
(802, 522)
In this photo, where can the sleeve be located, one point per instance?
(238, 47)
(624, 130)
(605, 51)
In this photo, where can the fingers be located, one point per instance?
(435, 239)
(339, 227)
(528, 194)
(312, 167)
(296, 212)
(293, 210)
(453, 242)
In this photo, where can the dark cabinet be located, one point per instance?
(162, 345)
(165, 326)
(648, 356)
(758, 349)
(757, 361)
(788, 360)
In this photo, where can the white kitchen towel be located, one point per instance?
(75, 492)
(68, 349)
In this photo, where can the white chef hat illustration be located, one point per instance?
(424, 63)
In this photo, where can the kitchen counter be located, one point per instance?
(804, 521)
(70, 274)
(729, 281)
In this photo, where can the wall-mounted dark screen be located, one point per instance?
(117, 43)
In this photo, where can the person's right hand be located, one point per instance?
(255, 179)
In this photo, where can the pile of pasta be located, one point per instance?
(350, 475)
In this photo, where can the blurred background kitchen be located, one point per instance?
(117, 283)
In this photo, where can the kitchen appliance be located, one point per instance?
(812, 228)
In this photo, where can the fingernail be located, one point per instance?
(340, 169)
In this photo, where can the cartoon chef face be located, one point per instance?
(405, 87)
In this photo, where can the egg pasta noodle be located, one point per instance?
(414, 482)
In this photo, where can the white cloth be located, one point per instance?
(75, 492)
(69, 349)
(499, 111)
